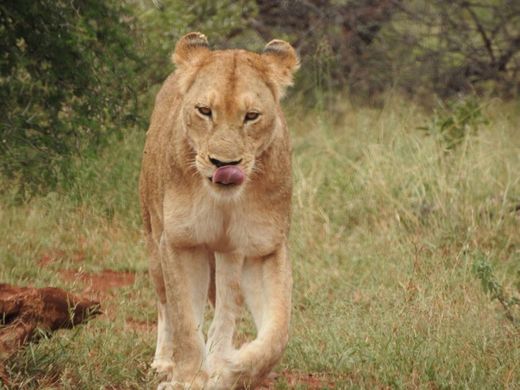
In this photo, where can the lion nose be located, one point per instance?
(219, 163)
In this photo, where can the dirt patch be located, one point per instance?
(23, 310)
(294, 378)
(100, 283)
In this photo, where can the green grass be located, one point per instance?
(388, 228)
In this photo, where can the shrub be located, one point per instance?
(67, 71)
(452, 123)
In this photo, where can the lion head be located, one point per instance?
(229, 109)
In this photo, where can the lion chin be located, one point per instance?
(224, 192)
(215, 191)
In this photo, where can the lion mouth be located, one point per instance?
(228, 175)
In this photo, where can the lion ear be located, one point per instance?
(283, 62)
(190, 48)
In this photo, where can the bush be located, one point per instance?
(67, 79)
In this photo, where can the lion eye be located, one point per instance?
(251, 116)
(206, 111)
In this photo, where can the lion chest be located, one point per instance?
(243, 228)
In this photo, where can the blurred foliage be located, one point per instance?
(416, 47)
(447, 47)
(67, 79)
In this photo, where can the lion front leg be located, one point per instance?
(162, 360)
(186, 279)
(267, 286)
(228, 302)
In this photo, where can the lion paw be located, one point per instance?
(162, 365)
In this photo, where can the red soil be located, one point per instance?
(100, 283)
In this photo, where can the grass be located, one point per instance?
(388, 229)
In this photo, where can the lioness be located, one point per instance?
(215, 192)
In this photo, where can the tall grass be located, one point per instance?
(389, 229)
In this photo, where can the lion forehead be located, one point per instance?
(232, 74)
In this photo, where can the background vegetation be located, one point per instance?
(405, 239)
(73, 74)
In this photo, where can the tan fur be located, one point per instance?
(198, 231)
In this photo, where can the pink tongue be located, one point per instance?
(228, 174)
